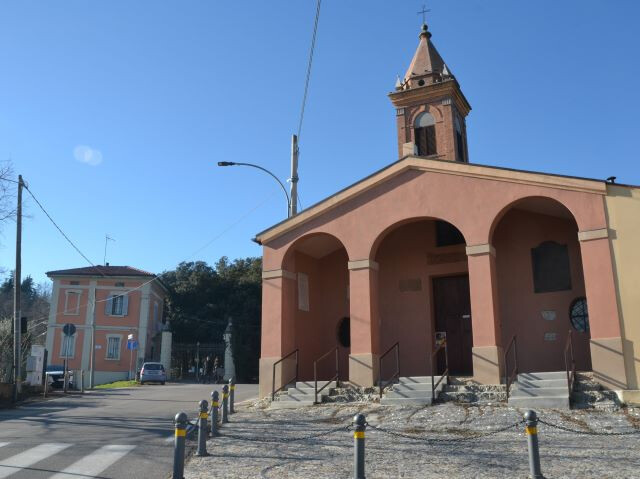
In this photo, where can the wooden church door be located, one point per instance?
(452, 305)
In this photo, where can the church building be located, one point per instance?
(435, 247)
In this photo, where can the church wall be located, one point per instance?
(623, 210)
(407, 316)
(520, 308)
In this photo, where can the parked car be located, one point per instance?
(153, 372)
(55, 375)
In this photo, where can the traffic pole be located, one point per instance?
(225, 404)
(232, 393)
(360, 423)
(531, 428)
(214, 413)
(202, 428)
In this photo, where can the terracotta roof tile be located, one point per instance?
(101, 271)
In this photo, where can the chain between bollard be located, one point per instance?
(589, 433)
(433, 440)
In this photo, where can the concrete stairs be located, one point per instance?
(589, 393)
(464, 390)
(301, 394)
(413, 390)
(540, 390)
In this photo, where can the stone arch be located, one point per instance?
(316, 242)
(388, 229)
(434, 110)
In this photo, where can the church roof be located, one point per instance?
(426, 59)
(434, 165)
(101, 271)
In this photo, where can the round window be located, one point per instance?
(579, 315)
(344, 333)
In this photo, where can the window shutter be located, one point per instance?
(108, 306)
(125, 304)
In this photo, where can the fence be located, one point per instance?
(357, 429)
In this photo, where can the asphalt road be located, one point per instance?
(106, 434)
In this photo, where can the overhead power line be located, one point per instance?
(60, 230)
(306, 83)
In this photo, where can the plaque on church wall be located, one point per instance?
(549, 315)
(303, 292)
(550, 336)
(408, 285)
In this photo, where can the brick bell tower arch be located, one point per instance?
(430, 107)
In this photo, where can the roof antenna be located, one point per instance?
(107, 238)
(611, 179)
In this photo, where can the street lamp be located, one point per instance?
(232, 163)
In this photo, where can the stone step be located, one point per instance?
(540, 383)
(542, 376)
(416, 379)
(422, 401)
(540, 402)
(311, 384)
(408, 394)
(539, 392)
(414, 386)
(307, 391)
(290, 403)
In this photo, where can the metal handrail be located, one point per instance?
(508, 377)
(273, 379)
(435, 384)
(381, 383)
(315, 373)
(571, 371)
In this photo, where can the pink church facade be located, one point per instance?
(433, 245)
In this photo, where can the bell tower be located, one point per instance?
(430, 107)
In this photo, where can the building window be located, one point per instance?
(425, 134)
(459, 141)
(113, 347)
(117, 305)
(551, 269)
(72, 302)
(447, 234)
(68, 346)
(579, 315)
(303, 292)
(119, 285)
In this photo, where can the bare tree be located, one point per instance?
(7, 192)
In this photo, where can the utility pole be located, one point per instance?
(17, 283)
(293, 188)
(92, 358)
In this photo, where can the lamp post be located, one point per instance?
(232, 163)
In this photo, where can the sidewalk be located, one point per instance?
(564, 454)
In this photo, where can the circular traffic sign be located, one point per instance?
(69, 329)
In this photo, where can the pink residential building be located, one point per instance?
(106, 304)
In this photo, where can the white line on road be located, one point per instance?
(28, 458)
(96, 462)
(2, 444)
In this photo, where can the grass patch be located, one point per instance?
(119, 384)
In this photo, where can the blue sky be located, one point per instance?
(151, 95)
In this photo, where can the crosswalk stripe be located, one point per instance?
(96, 462)
(2, 444)
(25, 459)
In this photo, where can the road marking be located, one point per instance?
(96, 462)
(13, 464)
(2, 444)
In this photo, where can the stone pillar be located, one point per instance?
(165, 351)
(607, 358)
(365, 323)
(278, 327)
(483, 285)
(229, 365)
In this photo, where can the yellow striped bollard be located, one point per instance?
(214, 413)
(531, 429)
(181, 421)
(225, 404)
(360, 424)
(232, 393)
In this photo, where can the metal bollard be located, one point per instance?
(531, 428)
(225, 404)
(232, 393)
(202, 428)
(181, 421)
(214, 413)
(360, 423)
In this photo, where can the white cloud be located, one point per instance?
(86, 154)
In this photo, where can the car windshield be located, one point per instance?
(54, 368)
(153, 367)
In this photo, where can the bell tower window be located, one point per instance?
(459, 141)
(425, 134)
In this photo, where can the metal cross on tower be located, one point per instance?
(424, 12)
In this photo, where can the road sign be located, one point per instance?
(69, 329)
(132, 344)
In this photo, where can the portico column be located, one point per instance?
(365, 322)
(278, 328)
(604, 324)
(483, 285)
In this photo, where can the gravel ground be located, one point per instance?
(425, 455)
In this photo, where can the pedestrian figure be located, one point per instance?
(216, 365)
